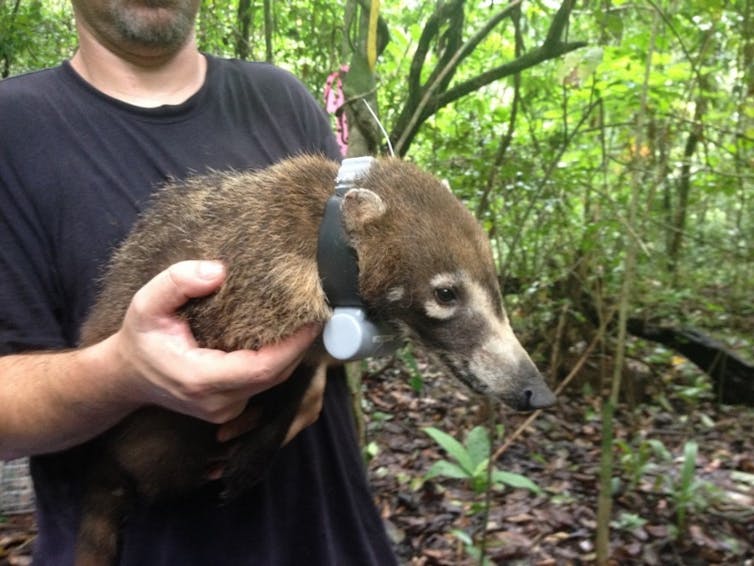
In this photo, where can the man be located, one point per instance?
(82, 146)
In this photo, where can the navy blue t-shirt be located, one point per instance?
(76, 167)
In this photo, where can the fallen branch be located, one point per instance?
(732, 376)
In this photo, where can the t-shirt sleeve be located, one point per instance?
(28, 319)
(297, 103)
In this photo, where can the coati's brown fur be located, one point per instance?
(414, 241)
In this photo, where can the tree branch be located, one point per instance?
(507, 138)
(524, 62)
(417, 114)
(430, 31)
(435, 94)
(453, 43)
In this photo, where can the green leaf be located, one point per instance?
(515, 480)
(416, 381)
(689, 466)
(463, 536)
(448, 470)
(480, 472)
(683, 492)
(454, 448)
(659, 450)
(478, 446)
(590, 59)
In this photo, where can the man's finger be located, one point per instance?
(271, 364)
(171, 288)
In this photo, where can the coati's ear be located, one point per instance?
(361, 207)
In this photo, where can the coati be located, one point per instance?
(425, 269)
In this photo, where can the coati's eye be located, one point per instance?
(445, 295)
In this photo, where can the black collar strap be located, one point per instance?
(349, 334)
(336, 259)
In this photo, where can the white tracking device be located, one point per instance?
(349, 335)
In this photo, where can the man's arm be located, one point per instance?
(51, 401)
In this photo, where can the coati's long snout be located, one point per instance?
(499, 365)
(502, 367)
(462, 323)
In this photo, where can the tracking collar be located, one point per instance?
(349, 334)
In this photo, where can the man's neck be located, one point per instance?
(140, 80)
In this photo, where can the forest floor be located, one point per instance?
(441, 521)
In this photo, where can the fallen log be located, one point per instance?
(732, 376)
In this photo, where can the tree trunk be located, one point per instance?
(268, 31)
(359, 85)
(678, 226)
(245, 14)
(605, 497)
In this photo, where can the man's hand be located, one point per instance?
(166, 366)
(54, 400)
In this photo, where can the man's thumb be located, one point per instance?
(171, 288)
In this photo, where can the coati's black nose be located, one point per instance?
(536, 398)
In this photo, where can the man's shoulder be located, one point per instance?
(31, 83)
(261, 75)
(30, 95)
(241, 66)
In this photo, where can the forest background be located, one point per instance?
(607, 148)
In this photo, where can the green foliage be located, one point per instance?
(415, 379)
(685, 486)
(628, 522)
(558, 198)
(547, 161)
(472, 549)
(555, 202)
(689, 493)
(34, 34)
(647, 459)
(470, 462)
(695, 388)
(638, 458)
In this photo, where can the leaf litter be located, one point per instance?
(560, 452)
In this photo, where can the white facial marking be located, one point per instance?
(441, 312)
(395, 294)
(480, 302)
(445, 280)
(432, 307)
(500, 349)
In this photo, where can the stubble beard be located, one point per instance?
(154, 23)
